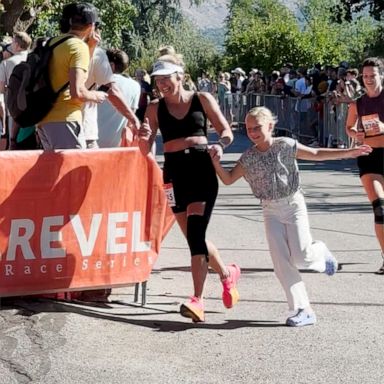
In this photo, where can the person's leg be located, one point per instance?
(374, 187)
(305, 252)
(283, 263)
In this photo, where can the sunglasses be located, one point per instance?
(98, 25)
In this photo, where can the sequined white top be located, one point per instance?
(272, 174)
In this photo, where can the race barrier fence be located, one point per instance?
(323, 122)
(74, 220)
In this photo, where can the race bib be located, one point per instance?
(369, 123)
(170, 194)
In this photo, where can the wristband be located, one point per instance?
(222, 143)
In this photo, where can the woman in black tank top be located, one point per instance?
(365, 124)
(190, 180)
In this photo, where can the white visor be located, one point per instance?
(165, 68)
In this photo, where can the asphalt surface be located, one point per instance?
(123, 342)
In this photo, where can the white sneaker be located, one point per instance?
(301, 319)
(331, 265)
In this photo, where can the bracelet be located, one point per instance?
(222, 143)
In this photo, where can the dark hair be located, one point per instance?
(353, 71)
(119, 58)
(374, 62)
(78, 16)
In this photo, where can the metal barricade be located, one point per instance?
(335, 117)
(317, 122)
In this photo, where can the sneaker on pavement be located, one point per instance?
(331, 264)
(380, 271)
(230, 293)
(301, 319)
(193, 309)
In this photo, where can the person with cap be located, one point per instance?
(100, 76)
(190, 182)
(69, 63)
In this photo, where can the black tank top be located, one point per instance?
(367, 106)
(193, 124)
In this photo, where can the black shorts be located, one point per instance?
(373, 163)
(193, 177)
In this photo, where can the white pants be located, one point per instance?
(291, 245)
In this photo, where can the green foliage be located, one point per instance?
(264, 34)
(261, 34)
(326, 41)
(198, 53)
(116, 15)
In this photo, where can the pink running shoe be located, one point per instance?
(193, 309)
(230, 293)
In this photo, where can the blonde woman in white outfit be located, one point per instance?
(270, 167)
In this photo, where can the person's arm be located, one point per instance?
(320, 154)
(78, 90)
(228, 177)
(212, 110)
(351, 124)
(147, 131)
(116, 98)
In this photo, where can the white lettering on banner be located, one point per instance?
(15, 239)
(86, 245)
(113, 232)
(60, 269)
(22, 231)
(84, 266)
(48, 236)
(137, 245)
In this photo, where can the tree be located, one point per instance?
(346, 9)
(262, 34)
(329, 42)
(19, 14)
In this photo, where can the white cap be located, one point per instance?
(165, 68)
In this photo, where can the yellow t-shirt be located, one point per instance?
(72, 53)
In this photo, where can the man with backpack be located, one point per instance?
(19, 47)
(68, 67)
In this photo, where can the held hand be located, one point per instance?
(362, 150)
(145, 130)
(216, 152)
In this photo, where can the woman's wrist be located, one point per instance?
(224, 142)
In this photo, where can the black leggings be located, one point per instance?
(194, 179)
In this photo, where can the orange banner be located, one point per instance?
(79, 219)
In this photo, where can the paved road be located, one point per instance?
(51, 342)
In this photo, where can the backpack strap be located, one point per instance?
(60, 41)
(52, 47)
